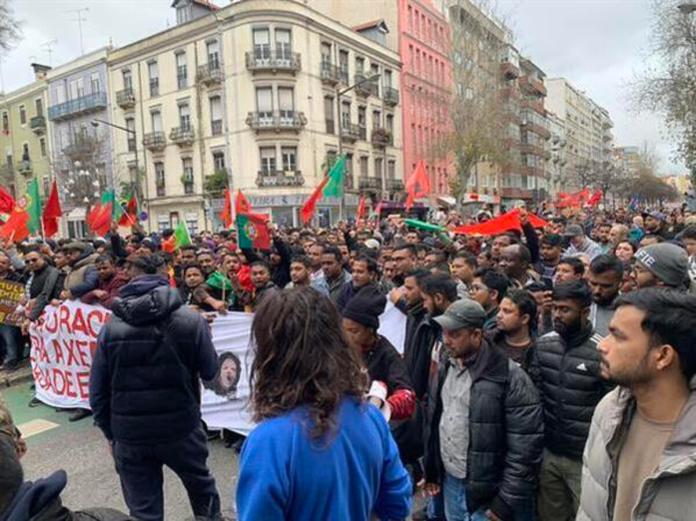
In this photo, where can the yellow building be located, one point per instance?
(251, 90)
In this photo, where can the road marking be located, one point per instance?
(34, 427)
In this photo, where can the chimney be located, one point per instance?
(40, 71)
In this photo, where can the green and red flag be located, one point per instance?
(310, 205)
(252, 231)
(101, 214)
(33, 206)
(129, 217)
(241, 204)
(334, 188)
(182, 237)
(51, 212)
(16, 227)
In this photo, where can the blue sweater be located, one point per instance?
(284, 475)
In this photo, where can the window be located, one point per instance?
(213, 50)
(192, 223)
(388, 78)
(156, 120)
(378, 167)
(374, 69)
(181, 70)
(262, 44)
(268, 160)
(187, 165)
(345, 114)
(60, 93)
(391, 169)
(390, 123)
(364, 165)
(38, 103)
(326, 52)
(330, 158)
(95, 83)
(362, 122)
(343, 65)
(285, 102)
(153, 74)
(376, 119)
(80, 86)
(127, 79)
(183, 13)
(329, 114)
(289, 158)
(184, 116)
(359, 65)
(42, 146)
(219, 161)
(22, 115)
(25, 152)
(130, 125)
(160, 179)
(216, 115)
(264, 102)
(5, 123)
(283, 41)
(46, 185)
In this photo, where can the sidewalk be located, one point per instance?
(21, 374)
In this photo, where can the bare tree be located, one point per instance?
(477, 113)
(10, 28)
(669, 86)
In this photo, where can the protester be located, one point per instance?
(516, 326)
(364, 273)
(334, 275)
(82, 274)
(565, 368)
(44, 284)
(488, 289)
(580, 243)
(515, 262)
(300, 271)
(196, 292)
(568, 269)
(333, 457)
(661, 265)
(486, 436)
(262, 283)
(150, 415)
(551, 251)
(404, 258)
(605, 279)
(10, 336)
(639, 459)
(110, 282)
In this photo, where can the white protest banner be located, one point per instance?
(392, 326)
(62, 343)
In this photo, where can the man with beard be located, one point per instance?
(655, 225)
(415, 311)
(551, 251)
(605, 278)
(569, 268)
(661, 265)
(516, 323)
(565, 368)
(206, 261)
(110, 282)
(640, 461)
(334, 276)
(300, 271)
(603, 239)
(499, 242)
(514, 262)
(363, 274)
(315, 251)
(404, 257)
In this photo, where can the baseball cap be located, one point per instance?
(668, 262)
(464, 313)
(75, 245)
(573, 230)
(552, 239)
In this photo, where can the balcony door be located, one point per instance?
(286, 105)
(283, 43)
(264, 103)
(262, 44)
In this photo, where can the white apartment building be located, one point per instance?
(250, 90)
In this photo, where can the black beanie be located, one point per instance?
(365, 307)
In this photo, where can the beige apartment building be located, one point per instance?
(249, 91)
(587, 125)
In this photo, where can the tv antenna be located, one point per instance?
(49, 48)
(80, 18)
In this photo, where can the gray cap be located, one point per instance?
(75, 245)
(464, 313)
(668, 262)
(573, 230)
(372, 244)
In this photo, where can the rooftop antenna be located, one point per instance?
(79, 20)
(49, 48)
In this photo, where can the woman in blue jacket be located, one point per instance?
(320, 452)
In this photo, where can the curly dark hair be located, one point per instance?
(302, 359)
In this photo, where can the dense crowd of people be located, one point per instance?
(547, 372)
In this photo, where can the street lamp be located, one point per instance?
(687, 7)
(339, 93)
(135, 186)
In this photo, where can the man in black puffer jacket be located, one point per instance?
(565, 366)
(144, 392)
(486, 438)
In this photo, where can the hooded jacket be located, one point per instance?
(144, 385)
(668, 493)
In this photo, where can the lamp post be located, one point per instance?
(135, 186)
(339, 93)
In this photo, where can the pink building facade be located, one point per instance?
(426, 82)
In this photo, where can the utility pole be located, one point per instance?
(79, 21)
(49, 48)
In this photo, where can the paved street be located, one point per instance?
(79, 448)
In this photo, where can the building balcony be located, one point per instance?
(532, 85)
(276, 121)
(25, 168)
(395, 185)
(78, 150)
(537, 128)
(350, 132)
(330, 74)
(370, 183)
(535, 105)
(182, 136)
(509, 70)
(125, 99)
(532, 171)
(155, 141)
(381, 138)
(210, 73)
(535, 150)
(390, 96)
(265, 179)
(366, 88)
(38, 125)
(262, 59)
(607, 137)
(78, 107)
(510, 92)
(516, 193)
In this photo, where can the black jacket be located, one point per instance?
(144, 386)
(414, 316)
(385, 364)
(506, 435)
(566, 372)
(281, 272)
(45, 286)
(418, 351)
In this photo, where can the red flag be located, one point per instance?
(418, 185)
(307, 210)
(361, 208)
(501, 224)
(7, 202)
(241, 204)
(130, 216)
(226, 214)
(52, 212)
(596, 198)
(15, 228)
(583, 195)
(169, 245)
(99, 218)
(533, 219)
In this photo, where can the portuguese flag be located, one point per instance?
(34, 206)
(252, 231)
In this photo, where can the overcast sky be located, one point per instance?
(596, 44)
